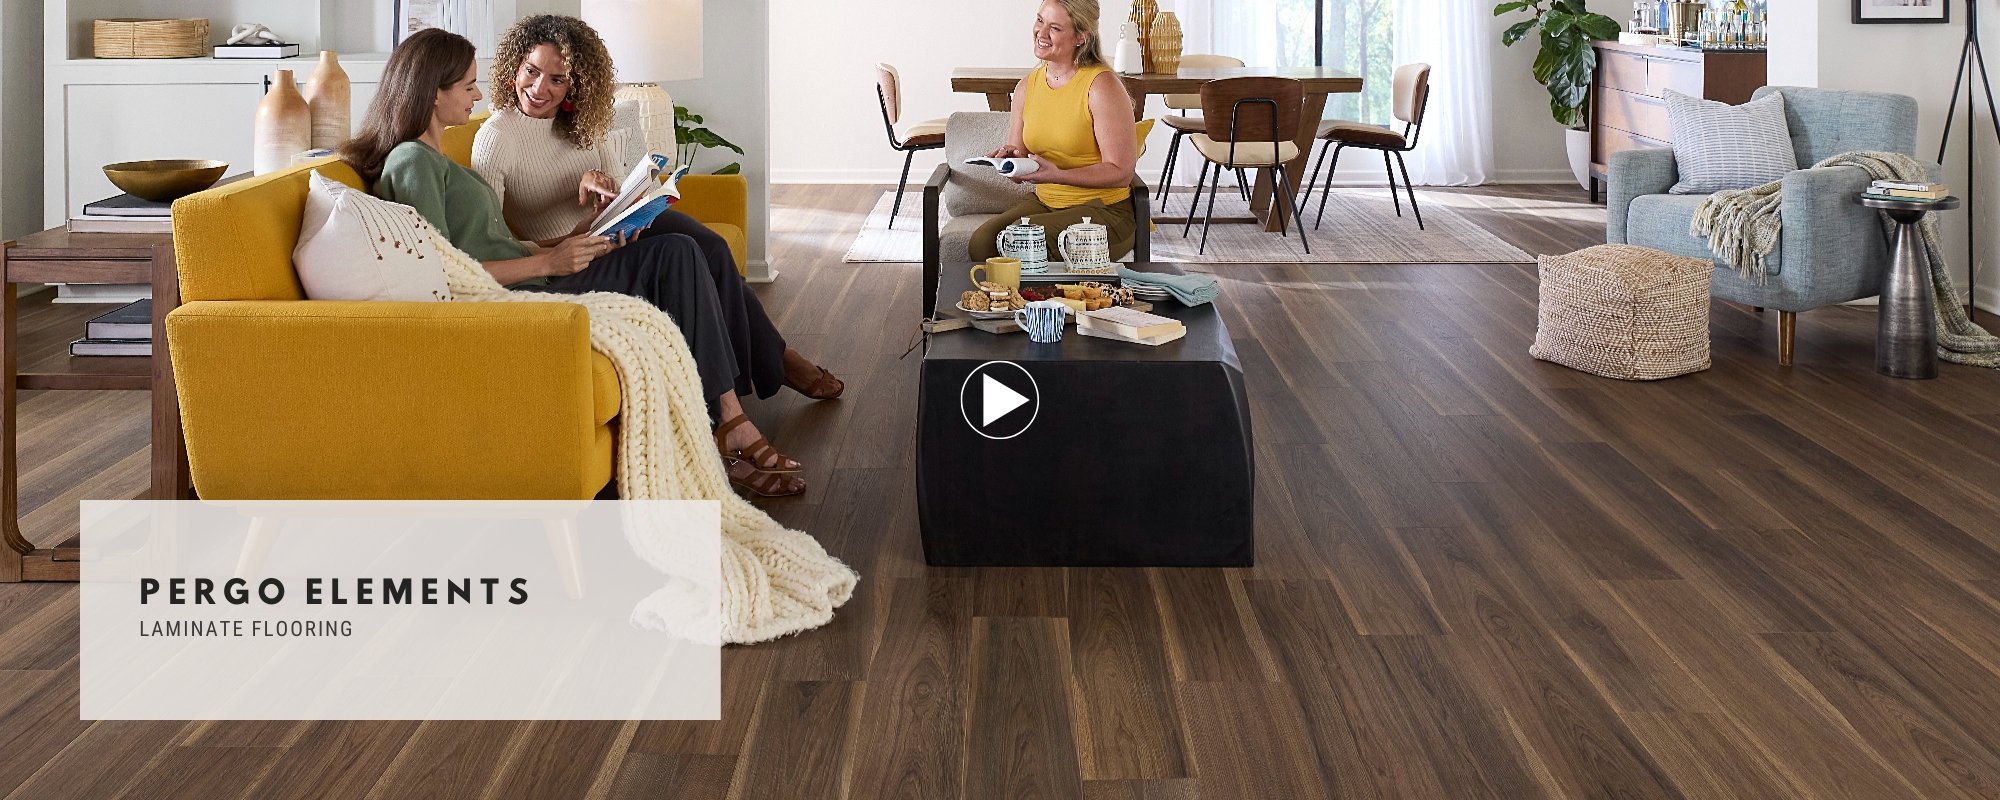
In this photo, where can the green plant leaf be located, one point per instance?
(1598, 26)
(732, 169)
(1516, 5)
(1518, 30)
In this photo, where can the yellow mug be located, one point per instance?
(1003, 271)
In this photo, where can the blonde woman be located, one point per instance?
(1073, 117)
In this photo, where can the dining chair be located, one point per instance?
(1183, 124)
(1410, 93)
(1251, 123)
(928, 135)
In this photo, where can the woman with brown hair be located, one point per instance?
(431, 83)
(1073, 117)
(549, 152)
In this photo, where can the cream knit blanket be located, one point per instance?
(1742, 227)
(776, 581)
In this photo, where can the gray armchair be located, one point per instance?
(1832, 249)
(972, 195)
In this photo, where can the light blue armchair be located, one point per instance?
(1832, 249)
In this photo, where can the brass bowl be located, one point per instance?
(165, 181)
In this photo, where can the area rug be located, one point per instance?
(1361, 227)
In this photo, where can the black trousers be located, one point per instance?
(669, 271)
(759, 347)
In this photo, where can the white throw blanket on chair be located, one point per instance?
(776, 581)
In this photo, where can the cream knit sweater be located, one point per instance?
(536, 171)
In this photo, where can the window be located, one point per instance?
(1356, 36)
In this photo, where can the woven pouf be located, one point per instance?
(1625, 312)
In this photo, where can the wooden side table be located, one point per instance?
(58, 256)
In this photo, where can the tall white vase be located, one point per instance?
(1577, 145)
(330, 97)
(284, 125)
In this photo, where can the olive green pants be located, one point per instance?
(1117, 219)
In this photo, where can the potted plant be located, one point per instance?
(694, 138)
(1565, 64)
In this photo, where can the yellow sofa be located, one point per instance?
(284, 398)
(720, 202)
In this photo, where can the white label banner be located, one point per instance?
(531, 610)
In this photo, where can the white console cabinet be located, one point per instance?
(103, 111)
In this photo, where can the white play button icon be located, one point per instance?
(999, 400)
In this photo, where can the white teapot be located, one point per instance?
(1085, 245)
(1026, 241)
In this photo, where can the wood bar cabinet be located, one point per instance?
(1628, 109)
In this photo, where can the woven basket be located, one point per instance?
(1624, 312)
(149, 38)
(1166, 41)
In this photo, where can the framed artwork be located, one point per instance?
(472, 19)
(1874, 12)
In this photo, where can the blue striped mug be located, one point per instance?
(1043, 320)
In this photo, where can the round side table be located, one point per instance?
(1906, 333)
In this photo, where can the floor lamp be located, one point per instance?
(1970, 57)
(651, 41)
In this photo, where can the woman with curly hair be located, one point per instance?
(431, 83)
(549, 152)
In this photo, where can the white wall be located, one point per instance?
(733, 95)
(826, 128)
(1815, 43)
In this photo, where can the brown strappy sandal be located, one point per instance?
(761, 483)
(821, 385)
(760, 455)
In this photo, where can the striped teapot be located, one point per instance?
(1025, 241)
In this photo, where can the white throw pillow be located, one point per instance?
(355, 246)
(1718, 146)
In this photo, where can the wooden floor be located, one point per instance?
(1480, 576)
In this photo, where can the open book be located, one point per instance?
(641, 199)
(1010, 167)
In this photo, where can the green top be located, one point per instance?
(453, 198)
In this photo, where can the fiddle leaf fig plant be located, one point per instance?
(1566, 61)
(694, 138)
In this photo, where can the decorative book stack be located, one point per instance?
(1907, 192)
(127, 331)
(1128, 325)
(124, 214)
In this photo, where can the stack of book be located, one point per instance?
(1127, 325)
(124, 214)
(127, 331)
(1907, 192)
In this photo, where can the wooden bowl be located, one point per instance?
(165, 181)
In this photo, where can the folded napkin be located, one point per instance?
(1190, 289)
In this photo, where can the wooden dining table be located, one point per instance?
(998, 83)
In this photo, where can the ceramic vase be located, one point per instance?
(1165, 39)
(284, 125)
(331, 100)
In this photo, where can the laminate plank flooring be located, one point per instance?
(1479, 576)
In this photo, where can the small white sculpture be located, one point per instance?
(254, 33)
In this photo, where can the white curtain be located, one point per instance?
(1370, 38)
(1456, 39)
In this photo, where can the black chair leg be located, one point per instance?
(1278, 185)
(1167, 174)
(908, 156)
(1411, 188)
(1313, 181)
(1285, 182)
(1391, 169)
(1195, 204)
(1327, 190)
(1243, 184)
(1212, 189)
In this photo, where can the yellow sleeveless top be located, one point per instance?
(1056, 125)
